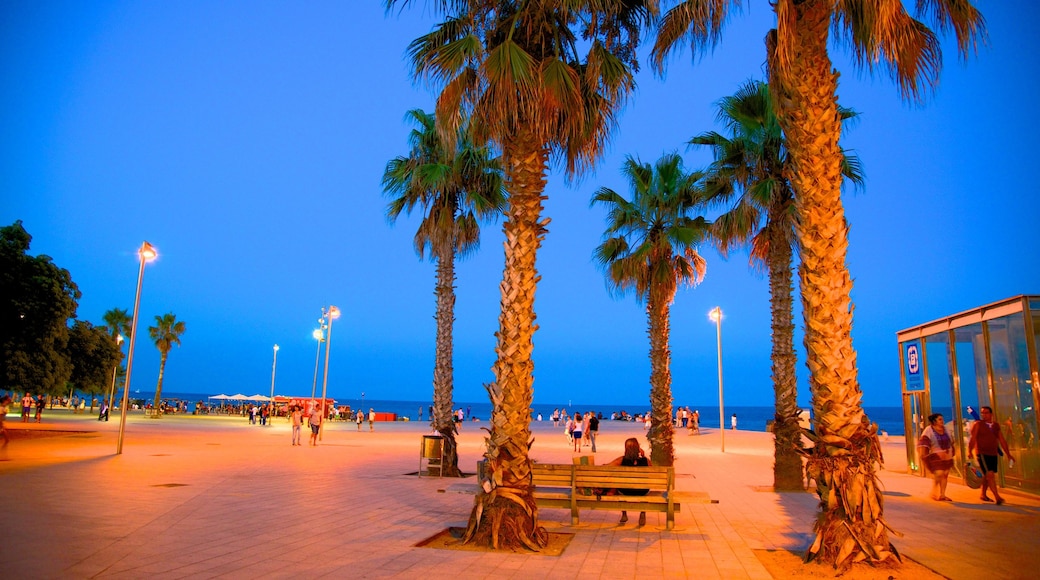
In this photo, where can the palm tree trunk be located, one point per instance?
(846, 456)
(443, 369)
(787, 458)
(662, 452)
(504, 513)
(158, 386)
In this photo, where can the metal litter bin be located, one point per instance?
(432, 451)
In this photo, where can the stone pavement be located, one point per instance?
(208, 497)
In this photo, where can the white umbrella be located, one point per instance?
(220, 397)
(238, 397)
(259, 398)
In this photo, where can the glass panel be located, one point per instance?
(913, 426)
(1013, 394)
(939, 374)
(970, 352)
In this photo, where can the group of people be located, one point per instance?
(581, 430)
(985, 441)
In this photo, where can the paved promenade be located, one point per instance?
(208, 497)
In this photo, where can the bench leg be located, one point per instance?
(671, 521)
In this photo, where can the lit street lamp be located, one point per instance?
(319, 335)
(716, 317)
(333, 315)
(147, 253)
(274, 367)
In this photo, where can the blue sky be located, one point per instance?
(246, 141)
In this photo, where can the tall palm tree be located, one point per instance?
(881, 34)
(540, 79)
(117, 320)
(456, 189)
(649, 249)
(166, 333)
(748, 175)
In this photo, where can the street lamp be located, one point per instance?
(319, 335)
(333, 314)
(112, 390)
(274, 366)
(146, 254)
(716, 316)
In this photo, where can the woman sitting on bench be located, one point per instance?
(633, 457)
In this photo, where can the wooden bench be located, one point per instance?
(574, 487)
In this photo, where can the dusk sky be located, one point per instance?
(246, 141)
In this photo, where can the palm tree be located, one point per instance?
(166, 333)
(117, 320)
(751, 165)
(802, 79)
(649, 248)
(456, 188)
(539, 79)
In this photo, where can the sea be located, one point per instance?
(889, 419)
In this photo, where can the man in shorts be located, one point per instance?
(989, 442)
(315, 421)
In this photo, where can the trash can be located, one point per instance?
(432, 451)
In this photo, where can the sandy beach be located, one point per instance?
(207, 496)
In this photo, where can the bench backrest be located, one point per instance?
(552, 475)
(603, 476)
(620, 477)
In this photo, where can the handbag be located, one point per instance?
(973, 475)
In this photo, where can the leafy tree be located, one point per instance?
(649, 249)
(117, 321)
(749, 172)
(166, 333)
(456, 189)
(93, 355)
(37, 300)
(538, 80)
(881, 34)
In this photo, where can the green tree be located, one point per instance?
(166, 333)
(538, 80)
(748, 175)
(37, 300)
(455, 188)
(93, 354)
(649, 249)
(117, 321)
(881, 34)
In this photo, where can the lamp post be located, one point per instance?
(333, 314)
(115, 369)
(146, 254)
(716, 317)
(274, 367)
(319, 335)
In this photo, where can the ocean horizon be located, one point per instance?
(750, 418)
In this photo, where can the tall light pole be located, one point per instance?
(274, 367)
(332, 315)
(146, 254)
(716, 317)
(115, 369)
(319, 335)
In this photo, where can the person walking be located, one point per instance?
(5, 406)
(297, 423)
(987, 440)
(40, 402)
(315, 421)
(360, 418)
(27, 402)
(371, 419)
(733, 422)
(593, 430)
(575, 424)
(633, 457)
(935, 447)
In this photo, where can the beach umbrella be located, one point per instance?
(238, 397)
(259, 398)
(221, 397)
